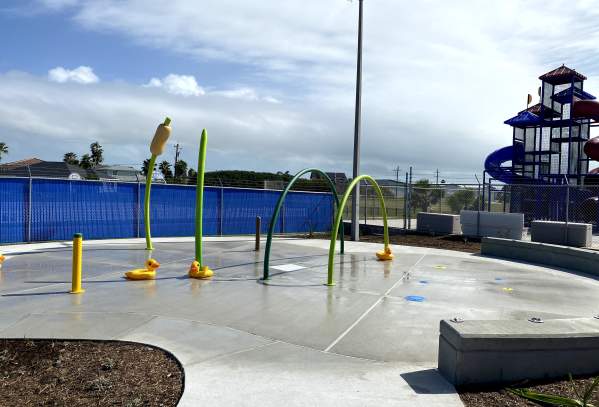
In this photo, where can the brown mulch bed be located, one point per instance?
(490, 397)
(87, 373)
(437, 242)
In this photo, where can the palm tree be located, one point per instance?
(180, 169)
(165, 169)
(146, 166)
(96, 154)
(86, 162)
(70, 158)
(3, 150)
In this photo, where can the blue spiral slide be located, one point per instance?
(493, 164)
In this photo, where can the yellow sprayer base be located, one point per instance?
(384, 255)
(200, 273)
(141, 274)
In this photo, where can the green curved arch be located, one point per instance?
(340, 209)
(275, 216)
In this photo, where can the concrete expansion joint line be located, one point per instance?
(377, 302)
(238, 352)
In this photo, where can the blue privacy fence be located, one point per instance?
(33, 209)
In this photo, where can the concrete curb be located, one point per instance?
(571, 258)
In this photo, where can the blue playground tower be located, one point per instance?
(547, 144)
(550, 145)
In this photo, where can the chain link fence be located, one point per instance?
(563, 203)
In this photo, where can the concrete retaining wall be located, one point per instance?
(577, 234)
(438, 223)
(571, 258)
(493, 224)
(479, 352)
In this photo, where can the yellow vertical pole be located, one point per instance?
(77, 262)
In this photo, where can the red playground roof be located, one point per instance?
(560, 75)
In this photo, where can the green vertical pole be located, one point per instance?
(149, 246)
(200, 196)
(147, 202)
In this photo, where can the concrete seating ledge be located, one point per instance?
(503, 352)
(438, 223)
(572, 258)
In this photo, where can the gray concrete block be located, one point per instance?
(438, 223)
(570, 258)
(479, 352)
(493, 224)
(572, 234)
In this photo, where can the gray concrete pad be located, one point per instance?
(72, 325)
(360, 342)
(194, 342)
(283, 374)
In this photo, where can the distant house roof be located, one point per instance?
(118, 173)
(336, 177)
(389, 183)
(35, 167)
(560, 75)
(21, 163)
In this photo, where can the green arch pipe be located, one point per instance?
(275, 216)
(200, 197)
(340, 209)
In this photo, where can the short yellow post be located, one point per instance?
(77, 262)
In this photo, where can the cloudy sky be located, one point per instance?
(273, 80)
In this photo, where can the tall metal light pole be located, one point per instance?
(355, 207)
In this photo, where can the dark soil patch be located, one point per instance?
(437, 242)
(489, 397)
(452, 242)
(87, 373)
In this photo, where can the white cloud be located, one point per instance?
(83, 74)
(184, 85)
(245, 93)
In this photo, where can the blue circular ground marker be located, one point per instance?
(414, 298)
(423, 282)
(498, 279)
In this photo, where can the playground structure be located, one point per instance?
(551, 145)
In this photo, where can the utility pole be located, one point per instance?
(177, 152)
(355, 207)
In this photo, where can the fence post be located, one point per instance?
(221, 207)
(283, 214)
(567, 210)
(29, 207)
(137, 208)
(258, 227)
(366, 205)
(405, 203)
(410, 201)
